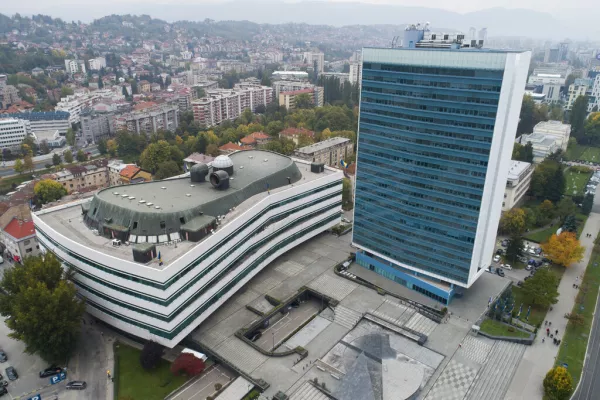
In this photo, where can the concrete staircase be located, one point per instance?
(240, 354)
(421, 324)
(404, 313)
(495, 376)
(346, 317)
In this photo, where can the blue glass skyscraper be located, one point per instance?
(437, 125)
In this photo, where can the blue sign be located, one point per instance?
(565, 365)
(57, 378)
(36, 397)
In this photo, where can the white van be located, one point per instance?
(1, 260)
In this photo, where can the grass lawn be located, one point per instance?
(574, 341)
(497, 328)
(538, 314)
(138, 384)
(575, 182)
(543, 235)
(583, 153)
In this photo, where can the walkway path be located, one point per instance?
(540, 357)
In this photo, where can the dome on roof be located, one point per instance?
(222, 162)
(198, 172)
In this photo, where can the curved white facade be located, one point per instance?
(166, 304)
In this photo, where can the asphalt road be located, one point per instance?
(41, 164)
(589, 386)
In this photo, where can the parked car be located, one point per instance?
(520, 283)
(499, 252)
(504, 243)
(499, 272)
(3, 356)
(528, 267)
(11, 373)
(507, 266)
(3, 391)
(76, 385)
(547, 260)
(50, 371)
(496, 258)
(256, 336)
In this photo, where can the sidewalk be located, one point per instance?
(540, 357)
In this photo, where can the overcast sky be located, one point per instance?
(65, 7)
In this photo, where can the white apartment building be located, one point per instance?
(289, 86)
(580, 87)
(288, 99)
(562, 132)
(224, 236)
(228, 104)
(75, 103)
(97, 63)
(595, 95)
(114, 172)
(12, 133)
(517, 183)
(74, 66)
(150, 120)
(329, 151)
(312, 58)
(289, 75)
(355, 72)
(20, 240)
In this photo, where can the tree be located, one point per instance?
(68, 156)
(592, 128)
(577, 117)
(588, 203)
(28, 146)
(28, 163)
(563, 249)
(100, 83)
(548, 181)
(541, 288)
(56, 159)
(547, 210)
(19, 168)
(151, 355)
(70, 137)
(305, 140)
(530, 115)
(212, 150)
(167, 169)
(513, 222)
(201, 144)
(187, 364)
(346, 193)
(303, 100)
(558, 384)
(41, 307)
(274, 127)
(112, 147)
(155, 154)
(81, 156)
(102, 148)
(570, 224)
(528, 152)
(44, 148)
(48, 190)
(556, 113)
(514, 249)
(565, 207)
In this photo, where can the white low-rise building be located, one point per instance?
(192, 242)
(12, 133)
(556, 129)
(517, 183)
(543, 145)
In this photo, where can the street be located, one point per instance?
(40, 163)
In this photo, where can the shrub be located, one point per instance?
(218, 386)
(151, 355)
(187, 364)
(558, 384)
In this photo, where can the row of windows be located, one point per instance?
(369, 190)
(428, 120)
(422, 208)
(197, 261)
(463, 235)
(418, 139)
(217, 296)
(414, 162)
(232, 266)
(398, 80)
(422, 173)
(419, 69)
(419, 185)
(427, 94)
(430, 107)
(380, 247)
(405, 150)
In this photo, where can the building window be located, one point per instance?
(26, 242)
(29, 250)
(163, 225)
(134, 225)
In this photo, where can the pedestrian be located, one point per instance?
(543, 339)
(547, 331)
(556, 332)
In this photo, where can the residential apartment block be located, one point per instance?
(288, 99)
(75, 103)
(97, 125)
(75, 66)
(227, 104)
(96, 64)
(79, 177)
(329, 151)
(8, 93)
(12, 133)
(517, 184)
(149, 120)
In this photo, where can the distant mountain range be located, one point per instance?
(574, 24)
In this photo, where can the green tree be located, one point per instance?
(28, 145)
(65, 91)
(518, 154)
(41, 307)
(44, 148)
(528, 152)
(346, 193)
(48, 190)
(558, 384)
(588, 203)
(56, 159)
(530, 115)
(592, 128)
(556, 113)
(19, 167)
(167, 169)
(212, 150)
(68, 156)
(28, 163)
(70, 137)
(81, 156)
(548, 181)
(565, 207)
(514, 249)
(570, 224)
(541, 288)
(577, 117)
(513, 222)
(201, 144)
(155, 154)
(274, 127)
(303, 100)
(102, 149)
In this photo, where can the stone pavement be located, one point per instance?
(540, 357)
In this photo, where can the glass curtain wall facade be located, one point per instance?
(428, 121)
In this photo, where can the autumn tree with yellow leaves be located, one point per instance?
(563, 249)
(558, 384)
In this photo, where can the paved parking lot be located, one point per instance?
(204, 386)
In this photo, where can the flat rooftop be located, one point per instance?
(516, 169)
(325, 144)
(68, 221)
